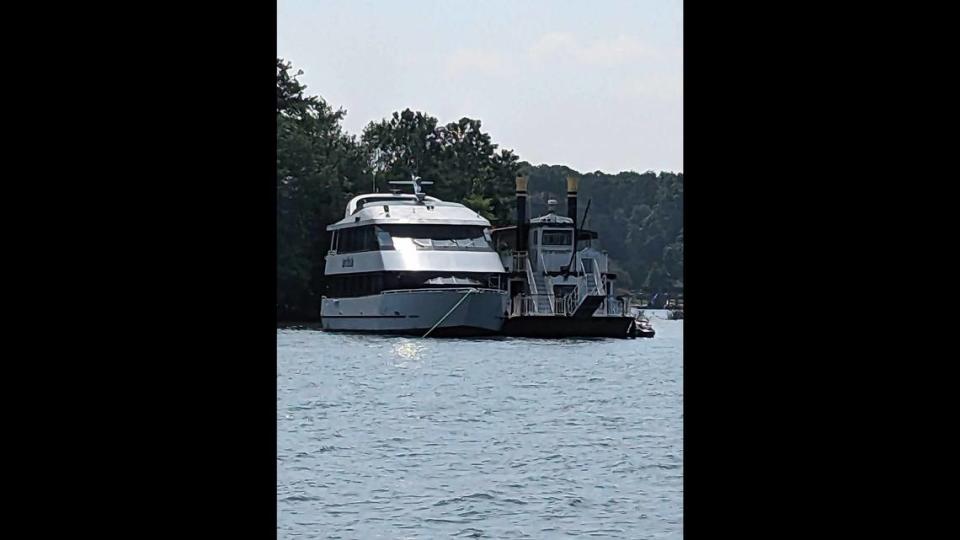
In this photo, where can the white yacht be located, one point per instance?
(413, 264)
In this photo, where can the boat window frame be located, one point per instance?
(566, 232)
(477, 232)
(360, 239)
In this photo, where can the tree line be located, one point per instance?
(320, 167)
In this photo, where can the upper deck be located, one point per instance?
(387, 208)
(388, 232)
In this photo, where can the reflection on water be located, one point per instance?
(408, 349)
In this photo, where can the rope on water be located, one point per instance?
(468, 293)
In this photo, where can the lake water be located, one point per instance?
(394, 437)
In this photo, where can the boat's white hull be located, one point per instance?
(415, 311)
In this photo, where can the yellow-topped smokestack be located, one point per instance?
(572, 183)
(521, 184)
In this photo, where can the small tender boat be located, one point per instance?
(642, 327)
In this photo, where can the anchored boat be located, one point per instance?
(412, 264)
(559, 284)
(642, 326)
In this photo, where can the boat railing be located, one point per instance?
(524, 304)
(528, 304)
(564, 306)
(439, 290)
(597, 277)
(571, 302)
(618, 307)
(531, 283)
(581, 283)
(600, 286)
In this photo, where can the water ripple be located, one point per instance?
(382, 437)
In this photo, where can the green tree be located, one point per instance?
(317, 168)
(458, 157)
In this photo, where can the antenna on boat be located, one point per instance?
(417, 184)
(583, 222)
(576, 231)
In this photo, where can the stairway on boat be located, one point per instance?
(542, 298)
(594, 296)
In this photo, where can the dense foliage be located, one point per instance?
(320, 167)
(459, 158)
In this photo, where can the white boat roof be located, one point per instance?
(381, 198)
(403, 208)
(552, 218)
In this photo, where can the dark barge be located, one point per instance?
(560, 286)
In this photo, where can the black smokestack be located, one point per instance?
(521, 213)
(572, 199)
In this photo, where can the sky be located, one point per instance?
(592, 85)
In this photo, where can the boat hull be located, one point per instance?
(416, 311)
(538, 326)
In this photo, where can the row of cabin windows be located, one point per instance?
(423, 237)
(355, 285)
(553, 237)
(350, 285)
(557, 238)
(506, 240)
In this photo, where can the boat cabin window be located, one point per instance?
(356, 239)
(352, 285)
(419, 237)
(557, 238)
(383, 239)
(370, 283)
(436, 237)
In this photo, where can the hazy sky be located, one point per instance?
(594, 85)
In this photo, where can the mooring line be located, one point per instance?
(468, 293)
